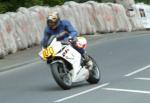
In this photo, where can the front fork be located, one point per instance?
(63, 64)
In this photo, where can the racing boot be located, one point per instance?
(87, 61)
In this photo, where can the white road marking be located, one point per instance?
(143, 78)
(78, 94)
(127, 90)
(137, 71)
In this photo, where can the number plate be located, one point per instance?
(48, 52)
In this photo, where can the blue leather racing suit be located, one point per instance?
(63, 25)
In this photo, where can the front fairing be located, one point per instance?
(51, 51)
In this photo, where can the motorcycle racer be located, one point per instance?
(64, 32)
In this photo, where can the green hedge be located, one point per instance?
(13, 5)
(145, 1)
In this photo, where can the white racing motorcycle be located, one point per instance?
(67, 65)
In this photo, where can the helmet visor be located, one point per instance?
(52, 21)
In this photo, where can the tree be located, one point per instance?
(145, 1)
(53, 2)
(13, 5)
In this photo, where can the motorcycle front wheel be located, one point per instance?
(61, 75)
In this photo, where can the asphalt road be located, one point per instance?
(125, 67)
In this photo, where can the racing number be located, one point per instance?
(48, 52)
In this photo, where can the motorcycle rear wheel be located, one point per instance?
(94, 74)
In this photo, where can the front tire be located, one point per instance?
(94, 74)
(61, 75)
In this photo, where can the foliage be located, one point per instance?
(54, 2)
(13, 5)
(144, 1)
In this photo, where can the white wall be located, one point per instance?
(24, 28)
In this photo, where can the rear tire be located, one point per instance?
(62, 78)
(94, 74)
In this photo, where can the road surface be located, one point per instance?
(125, 67)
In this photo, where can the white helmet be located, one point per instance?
(81, 42)
(53, 19)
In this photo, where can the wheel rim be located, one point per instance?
(67, 79)
(65, 76)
